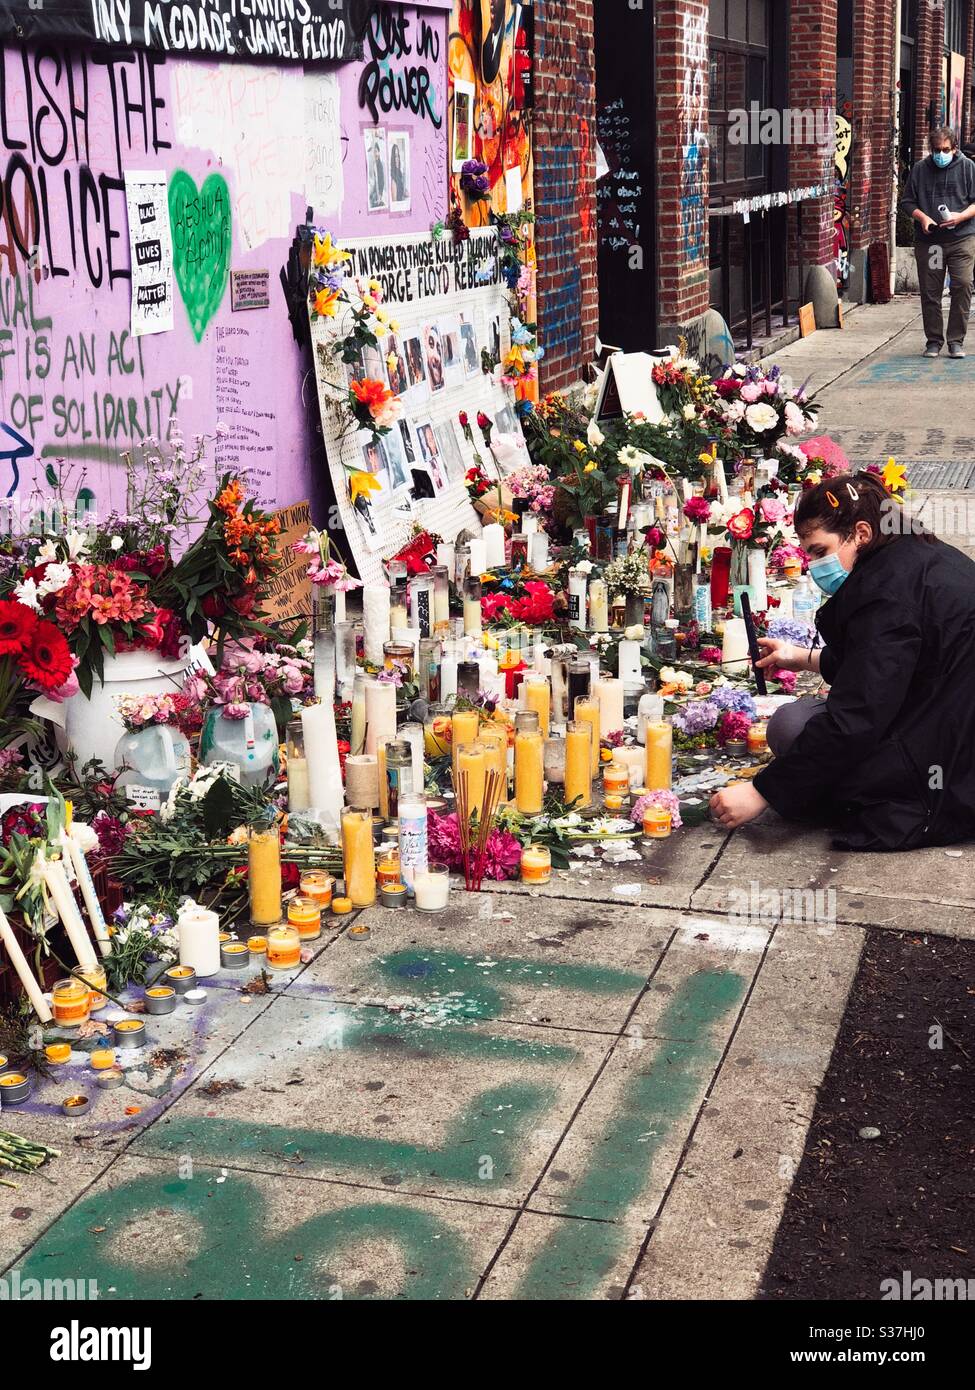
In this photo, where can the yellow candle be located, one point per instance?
(102, 1058)
(660, 755)
(283, 947)
(58, 1052)
(464, 725)
(587, 712)
(529, 771)
(536, 864)
(306, 915)
(537, 695)
(98, 981)
(495, 740)
(616, 778)
(471, 760)
(359, 857)
(578, 763)
(71, 1001)
(264, 876)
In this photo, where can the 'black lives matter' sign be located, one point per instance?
(280, 31)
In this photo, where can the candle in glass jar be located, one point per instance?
(598, 606)
(357, 734)
(283, 947)
(529, 764)
(364, 777)
(660, 755)
(412, 857)
(495, 740)
(305, 915)
(536, 864)
(464, 725)
(609, 693)
(71, 1003)
(757, 740)
(471, 762)
(380, 713)
(536, 695)
(657, 823)
(578, 763)
(634, 760)
(264, 875)
(616, 778)
(472, 608)
(587, 712)
(317, 885)
(98, 981)
(359, 857)
(432, 889)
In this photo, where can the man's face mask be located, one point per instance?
(943, 158)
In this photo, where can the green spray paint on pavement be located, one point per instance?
(580, 1254)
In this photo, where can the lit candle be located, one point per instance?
(536, 695)
(529, 764)
(536, 864)
(359, 857)
(587, 711)
(283, 947)
(608, 691)
(471, 762)
(660, 754)
(24, 973)
(578, 763)
(264, 875)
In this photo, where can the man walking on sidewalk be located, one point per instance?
(940, 196)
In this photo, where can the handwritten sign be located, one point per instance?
(289, 593)
(249, 289)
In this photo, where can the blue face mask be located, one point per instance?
(828, 574)
(943, 158)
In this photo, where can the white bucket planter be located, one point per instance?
(92, 727)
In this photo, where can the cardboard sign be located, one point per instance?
(628, 388)
(289, 592)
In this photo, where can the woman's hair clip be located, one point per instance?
(833, 501)
(854, 495)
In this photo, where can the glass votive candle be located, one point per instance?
(317, 885)
(102, 1058)
(555, 761)
(98, 981)
(305, 915)
(71, 1003)
(657, 823)
(758, 738)
(536, 864)
(616, 778)
(432, 888)
(283, 947)
(388, 867)
(57, 1053)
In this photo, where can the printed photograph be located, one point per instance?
(433, 351)
(377, 174)
(399, 380)
(400, 176)
(463, 124)
(430, 452)
(469, 348)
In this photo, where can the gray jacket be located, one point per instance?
(929, 188)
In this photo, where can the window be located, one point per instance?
(955, 25)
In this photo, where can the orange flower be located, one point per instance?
(326, 303)
(231, 497)
(371, 393)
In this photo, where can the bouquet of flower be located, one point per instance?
(629, 575)
(763, 406)
(474, 181)
(257, 672)
(35, 659)
(139, 711)
(324, 569)
(141, 937)
(374, 406)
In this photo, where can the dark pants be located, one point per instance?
(788, 722)
(933, 259)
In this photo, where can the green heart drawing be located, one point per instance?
(200, 222)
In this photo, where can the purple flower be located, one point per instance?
(727, 697)
(790, 630)
(697, 718)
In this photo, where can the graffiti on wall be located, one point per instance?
(692, 117)
(843, 157)
(488, 52)
(244, 151)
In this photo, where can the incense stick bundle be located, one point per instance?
(473, 840)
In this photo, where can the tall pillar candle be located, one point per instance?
(538, 550)
(446, 556)
(587, 711)
(380, 713)
(357, 733)
(472, 608)
(67, 909)
(478, 558)
(608, 692)
(24, 973)
(96, 916)
(598, 606)
(264, 875)
(421, 604)
(493, 538)
(529, 765)
(578, 763)
(324, 768)
(413, 735)
(660, 756)
(536, 695)
(441, 601)
(757, 581)
(578, 585)
(494, 737)
(734, 648)
(198, 929)
(362, 780)
(375, 616)
(359, 857)
(472, 766)
(630, 666)
(413, 847)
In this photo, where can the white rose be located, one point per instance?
(585, 566)
(761, 417)
(690, 412)
(117, 542)
(595, 435)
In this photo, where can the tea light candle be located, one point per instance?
(536, 864)
(111, 1080)
(613, 802)
(181, 977)
(234, 955)
(57, 1053)
(536, 695)
(14, 1088)
(608, 693)
(359, 857)
(393, 894)
(432, 889)
(199, 940)
(71, 1001)
(305, 916)
(102, 1058)
(75, 1106)
(341, 906)
(257, 945)
(660, 755)
(129, 1033)
(587, 712)
(578, 764)
(283, 947)
(160, 999)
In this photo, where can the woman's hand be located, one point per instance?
(781, 655)
(737, 805)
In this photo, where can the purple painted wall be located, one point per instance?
(73, 382)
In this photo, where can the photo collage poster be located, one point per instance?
(450, 305)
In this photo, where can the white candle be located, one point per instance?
(757, 581)
(538, 551)
(357, 734)
(24, 973)
(413, 735)
(380, 713)
(598, 606)
(421, 604)
(375, 617)
(409, 634)
(478, 553)
(322, 755)
(578, 584)
(340, 605)
(629, 658)
(734, 647)
(634, 760)
(446, 555)
(67, 909)
(493, 538)
(95, 915)
(609, 694)
(199, 939)
(529, 524)
(432, 890)
(448, 678)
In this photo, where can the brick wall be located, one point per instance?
(873, 122)
(565, 188)
(682, 159)
(812, 86)
(927, 75)
(966, 121)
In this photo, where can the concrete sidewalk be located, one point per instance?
(600, 1089)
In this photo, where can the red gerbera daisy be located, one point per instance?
(17, 623)
(47, 660)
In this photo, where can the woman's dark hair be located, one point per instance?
(837, 504)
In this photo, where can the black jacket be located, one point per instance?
(929, 188)
(892, 761)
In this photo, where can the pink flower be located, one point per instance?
(236, 711)
(661, 798)
(795, 421)
(293, 680)
(711, 655)
(751, 392)
(771, 510)
(771, 388)
(697, 509)
(786, 679)
(502, 855)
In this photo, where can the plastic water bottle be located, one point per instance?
(805, 603)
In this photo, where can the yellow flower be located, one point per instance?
(393, 326)
(326, 253)
(375, 286)
(371, 304)
(391, 361)
(326, 303)
(590, 467)
(382, 316)
(895, 476)
(579, 447)
(361, 482)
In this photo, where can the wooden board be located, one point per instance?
(807, 320)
